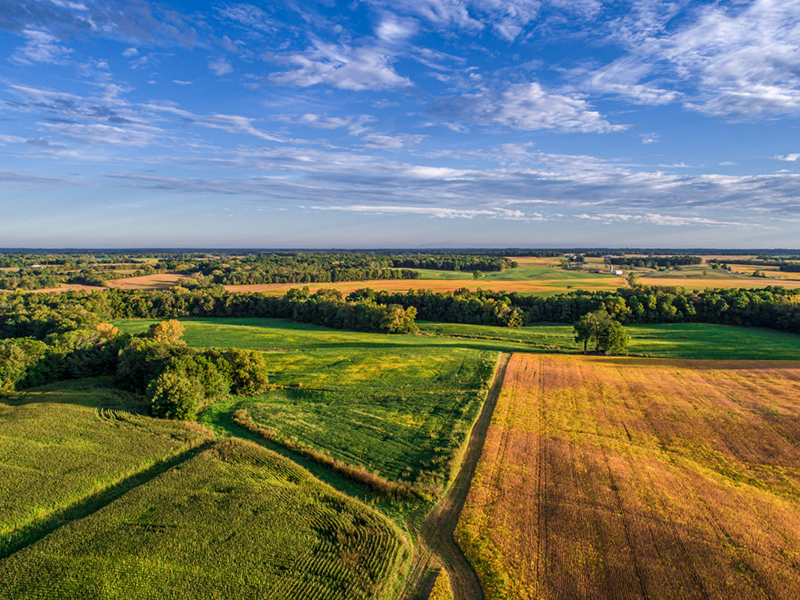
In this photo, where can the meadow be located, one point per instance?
(235, 521)
(62, 443)
(399, 407)
(639, 478)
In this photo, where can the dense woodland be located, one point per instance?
(654, 262)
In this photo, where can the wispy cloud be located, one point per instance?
(40, 47)
(220, 66)
(343, 67)
(788, 157)
(526, 107)
(737, 60)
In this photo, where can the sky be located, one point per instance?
(400, 124)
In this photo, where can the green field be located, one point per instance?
(399, 407)
(680, 340)
(61, 443)
(236, 521)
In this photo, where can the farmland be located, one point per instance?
(398, 407)
(62, 443)
(639, 478)
(235, 521)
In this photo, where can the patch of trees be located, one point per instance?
(454, 262)
(176, 379)
(654, 262)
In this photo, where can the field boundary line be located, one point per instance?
(30, 534)
(436, 534)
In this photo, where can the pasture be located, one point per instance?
(62, 443)
(235, 521)
(639, 478)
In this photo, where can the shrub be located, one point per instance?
(174, 396)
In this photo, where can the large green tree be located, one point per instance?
(607, 334)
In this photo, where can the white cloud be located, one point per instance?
(40, 47)
(441, 212)
(220, 66)
(738, 60)
(343, 67)
(180, 82)
(649, 138)
(788, 157)
(130, 53)
(391, 142)
(525, 107)
(323, 121)
(11, 139)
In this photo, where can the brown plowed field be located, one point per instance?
(635, 478)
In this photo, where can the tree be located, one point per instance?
(613, 339)
(477, 275)
(173, 396)
(167, 332)
(589, 326)
(607, 334)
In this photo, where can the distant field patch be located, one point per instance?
(639, 478)
(236, 521)
(147, 282)
(62, 442)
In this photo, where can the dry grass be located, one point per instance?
(635, 478)
(148, 282)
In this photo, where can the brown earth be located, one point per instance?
(636, 478)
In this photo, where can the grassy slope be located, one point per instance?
(62, 442)
(236, 521)
(398, 406)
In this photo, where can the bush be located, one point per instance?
(174, 396)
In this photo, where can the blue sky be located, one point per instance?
(405, 123)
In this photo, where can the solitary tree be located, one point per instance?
(477, 275)
(607, 334)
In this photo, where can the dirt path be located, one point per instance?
(436, 533)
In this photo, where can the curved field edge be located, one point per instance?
(234, 521)
(635, 478)
(63, 443)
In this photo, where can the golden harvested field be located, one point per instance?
(701, 284)
(400, 285)
(148, 282)
(639, 478)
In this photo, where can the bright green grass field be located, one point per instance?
(62, 442)
(682, 340)
(399, 406)
(234, 522)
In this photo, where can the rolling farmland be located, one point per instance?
(64, 442)
(399, 407)
(235, 521)
(637, 478)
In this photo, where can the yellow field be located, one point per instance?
(148, 282)
(635, 478)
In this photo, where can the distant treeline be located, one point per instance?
(772, 307)
(37, 316)
(653, 262)
(454, 262)
(296, 268)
